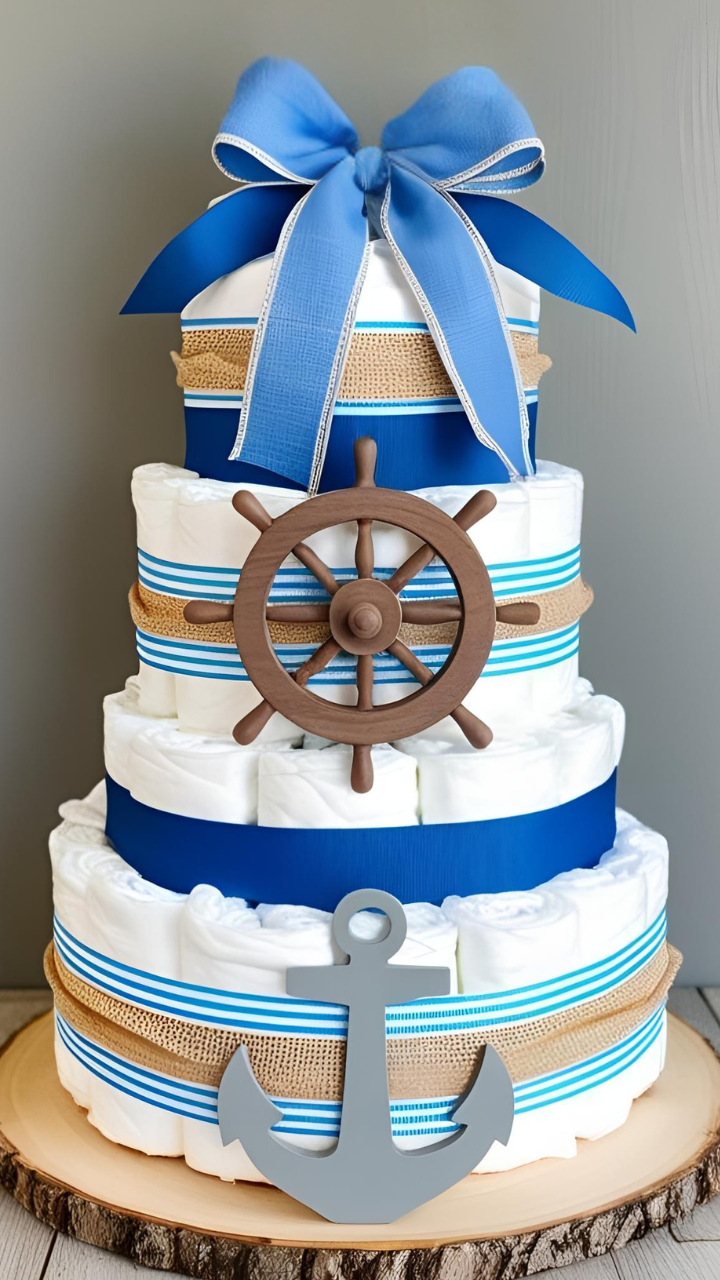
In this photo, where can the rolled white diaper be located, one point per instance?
(639, 855)
(312, 789)
(215, 706)
(535, 517)
(134, 921)
(623, 896)
(551, 1132)
(74, 1076)
(517, 699)
(568, 755)
(124, 722)
(111, 1093)
(78, 851)
(229, 945)
(509, 940)
(89, 812)
(108, 907)
(192, 774)
(156, 488)
(185, 520)
(157, 691)
(200, 777)
(224, 943)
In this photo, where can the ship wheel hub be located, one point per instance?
(365, 616)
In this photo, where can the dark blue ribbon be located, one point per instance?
(415, 451)
(432, 190)
(316, 868)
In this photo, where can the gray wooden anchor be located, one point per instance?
(366, 1177)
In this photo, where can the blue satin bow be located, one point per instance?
(432, 189)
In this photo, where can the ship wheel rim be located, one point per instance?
(405, 716)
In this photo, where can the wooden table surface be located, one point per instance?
(688, 1250)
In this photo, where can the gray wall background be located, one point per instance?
(109, 111)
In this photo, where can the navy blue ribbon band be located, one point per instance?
(314, 196)
(415, 451)
(316, 868)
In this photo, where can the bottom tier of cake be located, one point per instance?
(154, 990)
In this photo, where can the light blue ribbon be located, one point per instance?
(315, 197)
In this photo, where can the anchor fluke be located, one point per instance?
(491, 1081)
(239, 1095)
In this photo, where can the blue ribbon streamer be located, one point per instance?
(243, 226)
(432, 189)
(317, 867)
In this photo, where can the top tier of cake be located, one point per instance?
(394, 384)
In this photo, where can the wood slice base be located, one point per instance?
(662, 1163)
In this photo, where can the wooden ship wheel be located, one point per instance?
(364, 616)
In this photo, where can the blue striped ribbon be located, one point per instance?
(347, 408)
(410, 1117)
(437, 1015)
(294, 583)
(514, 323)
(223, 662)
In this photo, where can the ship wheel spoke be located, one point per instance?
(365, 678)
(365, 455)
(202, 613)
(247, 729)
(298, 613)
(319, 660)
(427, 612)
(478, 734)
(248, 506)
(521, 613)
(364, 550)
(361, 774)
(479, 506)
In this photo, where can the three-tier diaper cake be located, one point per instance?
(357, 612)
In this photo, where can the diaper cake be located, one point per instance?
(357, 613)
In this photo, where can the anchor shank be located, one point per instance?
(365, 1121)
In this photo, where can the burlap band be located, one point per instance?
(381, 365)
(311, 1067)
(162, 615)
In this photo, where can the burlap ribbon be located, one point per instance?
(162, 615)
(311, 1067)
(380, 365)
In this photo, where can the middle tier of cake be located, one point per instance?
(192, 545)
(279, 821)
